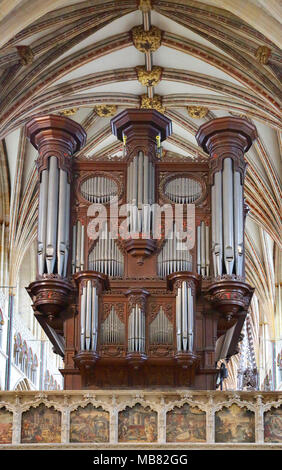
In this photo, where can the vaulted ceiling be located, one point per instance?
(73, 56)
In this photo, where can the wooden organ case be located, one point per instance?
(132, 310)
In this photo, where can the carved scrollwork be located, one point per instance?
(137, 299)
(119, 310)
(155, 308)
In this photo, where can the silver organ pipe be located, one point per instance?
(218, 219)
(140, 192)
(178, 319)
(207, 250)
(89, 316)
(98, 189)
(228, 230)
(78, 231)
(238, 223)
(67, 229)
(106, 258)
(52, 214)
(136, 330)
(42, 220)
(213, 230)
(61, 246)
(227, 221)
(203, 249)
(184, 318)
(161, 329)
(183, 190)
(171, 259)
(112, 329)
(199, 249)
(82, 318)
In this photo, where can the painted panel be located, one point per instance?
(89, 424)
(137, 424)
(6, 426)
(234, 424)
(273, 425)
(41, 425)
(186, 424)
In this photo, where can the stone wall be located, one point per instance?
(109, 419)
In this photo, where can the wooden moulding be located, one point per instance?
(42, 130)
(230, 297)
(226, 129)
(133, 121)
(50, 296)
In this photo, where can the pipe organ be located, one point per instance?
(124, 304)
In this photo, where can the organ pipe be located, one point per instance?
(203, 249)
(136, 330)
(171, 259)
(52, 213)
(42, 220)
(238, 223)
(184, 318)
(89, 315)
(161, 329)
(217, 209)
(227, 221)
(106, 257)
(140, 192)
(228, 206)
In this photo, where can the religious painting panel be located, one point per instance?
(234, 424)
(89, 424)
(273, 425)
(40, 425)
(186, 424)
(6, 426)
(137, 424)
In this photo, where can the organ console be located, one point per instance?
(147, 301)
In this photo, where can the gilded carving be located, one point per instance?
(197, 112)
(262, 54)
(152, 103)
(149, 77)
(106, 110)
(69, 112)
(26, 55)
(146, 41)
(145, 6)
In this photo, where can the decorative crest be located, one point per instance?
(146, 41)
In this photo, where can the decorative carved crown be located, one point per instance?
(146, 41)
(152, 103)
(149, 78)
